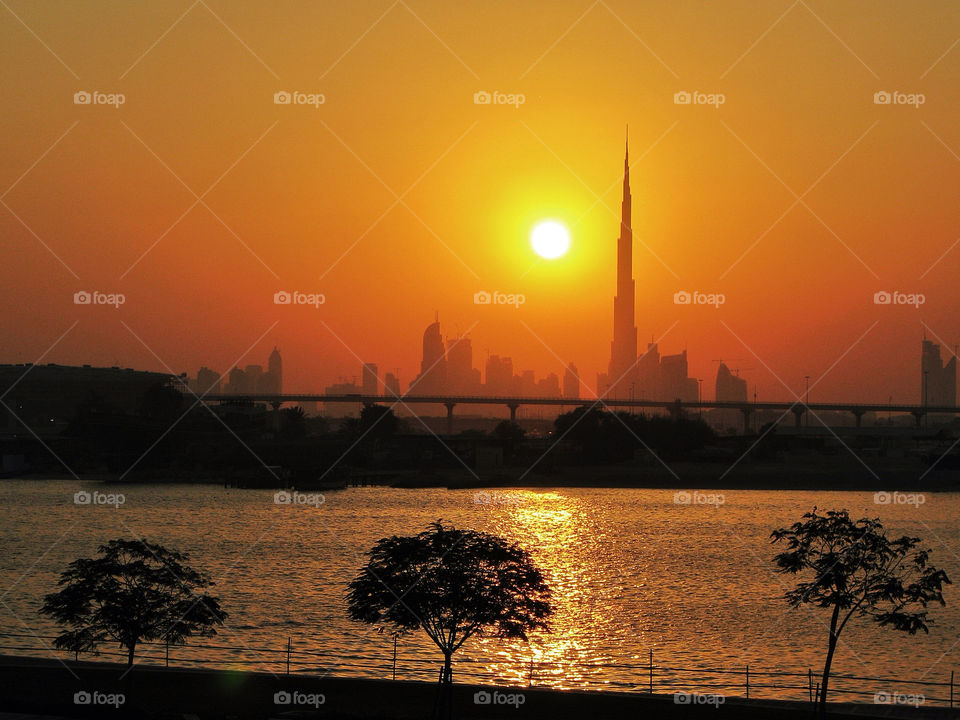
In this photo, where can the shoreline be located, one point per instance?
(679, 476)
(39, 685)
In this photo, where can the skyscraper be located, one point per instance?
(938, 380)
(370, 383)
(272, 380)
(432, 379)
(622, 371)
(571, 382)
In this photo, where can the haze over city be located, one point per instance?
(395, 359)
(304, 197)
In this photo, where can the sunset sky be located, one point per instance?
(97, 197)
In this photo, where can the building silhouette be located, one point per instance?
(391, 385)
(272, 380)
(462, 377)
(571, 382)
(432, 377)
(621, 377)
(938, 380)
(208, 381)
(251, 380)
(730, 387)
(649, 376)
(370, 379)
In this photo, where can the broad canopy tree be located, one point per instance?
(134, 591)
(454, 584)
(855, 570)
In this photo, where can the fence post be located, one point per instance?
(810, 684)
(288, 655)
(651, 672)
(748, 681)
(951, 688)
(166, 642)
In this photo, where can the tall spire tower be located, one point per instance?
(622, 372)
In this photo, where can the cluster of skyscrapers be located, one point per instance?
(446, 365)
(251, 380)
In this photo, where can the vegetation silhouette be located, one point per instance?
(857, 571)
(453, 584)
(600, 436)
(134, 591)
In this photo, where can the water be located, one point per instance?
(631, 572)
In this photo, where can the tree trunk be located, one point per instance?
(130, 648)
(443, 707)
(826, 665)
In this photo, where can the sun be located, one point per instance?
(550, 239)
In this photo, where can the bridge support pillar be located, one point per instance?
(858, 416)
(747, 412)
(450, 407)
(798, 413)
(676, 409)
(918, 415)
(513, 412)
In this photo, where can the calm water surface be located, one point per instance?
(631, 572)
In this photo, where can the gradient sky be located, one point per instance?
(305, 198)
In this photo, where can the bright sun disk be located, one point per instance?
(550, 239)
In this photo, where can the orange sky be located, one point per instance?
(305, 198)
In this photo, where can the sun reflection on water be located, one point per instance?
(570, 546)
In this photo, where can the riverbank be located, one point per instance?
(42, 686)
(809, 472)
(805, 473)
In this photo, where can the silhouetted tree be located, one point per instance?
(134, 591)
(857, 571)
(293, 423)
(378, 422)
(510, 435)
(601, 436)
(453, 584)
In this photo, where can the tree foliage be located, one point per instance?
(134, 591)
(598, 435)
(454, 585)
(855, 570)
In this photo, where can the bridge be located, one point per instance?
(675, 407)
